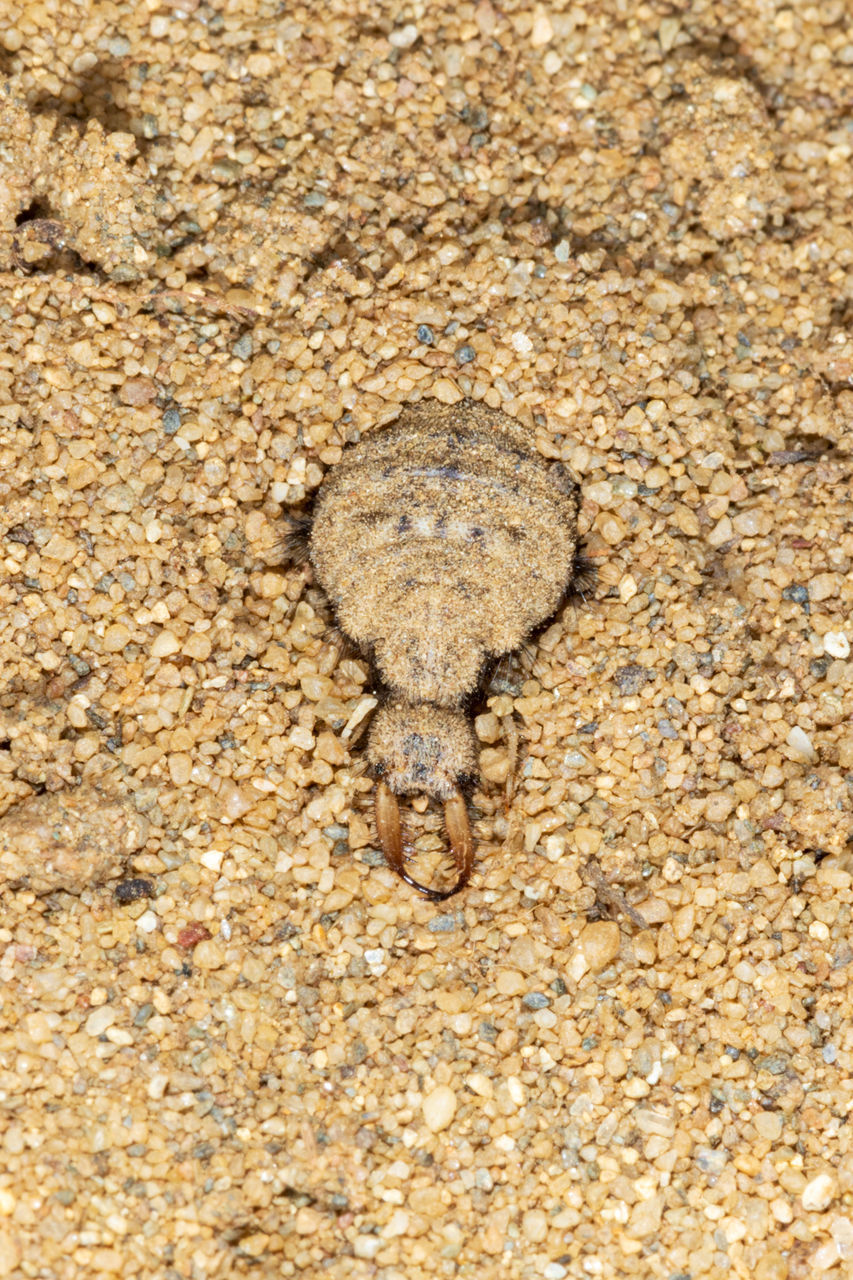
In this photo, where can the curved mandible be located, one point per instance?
(459, 836)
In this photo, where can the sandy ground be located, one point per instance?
(235, 237)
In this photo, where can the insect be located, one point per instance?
(441, 542)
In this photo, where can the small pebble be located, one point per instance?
(836, 644)
(443, 924)
(509, 982)
(718, 805)
(711, 1160)
(768, 1124)
(631, 679)
(801, 744)
(627, 588)
(542, 31)
(534, 1226)
(164, 645)
(799, 594)
(192, 934)
(116, 637)
(80, 473)
(98, 1021)
(198, 647)
(446, 391)
(586, 840)
(403, 37)
(10, 1252)
(600, 942)
(819, 1193)
(180, 768)
(772, 1265)
(480, 1084)
(367, 1246)
(208, 955)
(439, 1108)
(137, 391)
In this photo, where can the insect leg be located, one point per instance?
(461, 841)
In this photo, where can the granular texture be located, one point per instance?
(627, 1050)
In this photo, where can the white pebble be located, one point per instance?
(439, 1107)
(521, 343)
(99, 1019)
(157, 1086)
(841, 1230)
(366, 1246)
(542, 30)
(627, 588)
(208, 955)
(667, 33)
(480, 1084)
(398, 1225)
(824, 1258)
(819, 1193)
(836, 644)
(147, 922)
(801, 744)
(516, 1091)
(576, 965)
(363, 707)
(165, 644)
(403, 37)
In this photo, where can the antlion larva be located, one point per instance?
(441, 541)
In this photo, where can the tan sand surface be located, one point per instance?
(234, 237)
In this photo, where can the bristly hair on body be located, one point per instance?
(440, 542)
(294, 547)
(584, 580)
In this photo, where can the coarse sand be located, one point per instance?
(235, 236)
